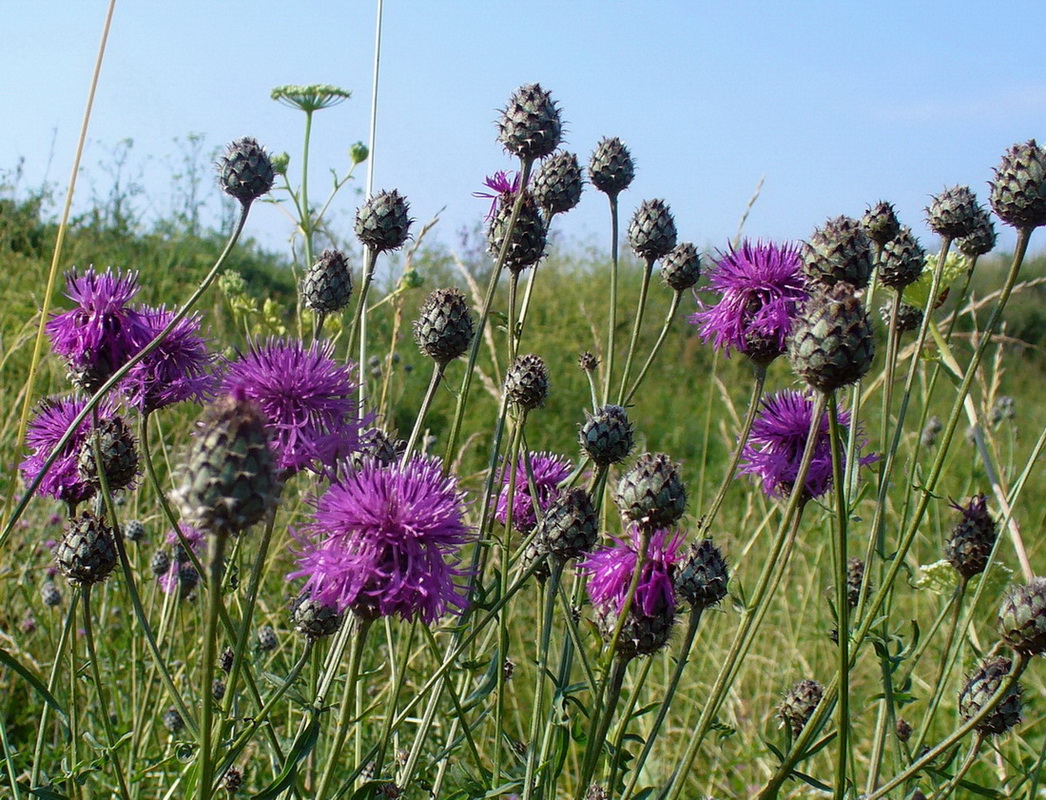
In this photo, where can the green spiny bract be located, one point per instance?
(383, 222)
(606, 435)
(229, 481)
(444, 329)
(854, 581)
(119, 455)
(702, 575)
(314, 619)
(952, 214)
(1019, 188)
(327, 285)
(530, 126)
(839, 252)
(641, 634)
(880, 223)
(1022, 617)
(526, 382)
(832, 344)
(570, 525)
(86, 553)
(652, 231)
(558, 182)
(245, 171)
(981, 240)
(526, 245)
(902, 261)
(611, 168)
(978, 692)
(651, 492)
(972, 539)
(799, 704)
(909, 318)
(681, 268)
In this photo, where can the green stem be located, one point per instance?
(644, 290)
(399, 679)
(430, 394)
(361, 305)
(669, 317)
(960, 773)
(612, 311)
(618, 750)
(513, 341)
(214, 600)
(841, 595)
(306, 212)
(602, 717)
(52, 684)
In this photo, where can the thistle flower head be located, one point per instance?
(530, 126)
(838, 251)
(308, 399)
(245, 171)
(501, 184)
(1019, 187)
(383, 221)
(953, 213)
(979, 690)
(549, 471)
(760, 286)
(611, 168)
(972, 538)
(1022, 617)
(880, 222)
(558, 183)
(385, 541)
(775, 448)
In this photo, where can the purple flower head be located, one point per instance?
(176, 370)
(759, 287)
(98, 336)
(775, 447)
(175, 578)
(502, 186)
(549, 470)
(610, 574)
(52, 419)
(381, 539)
(308, 398)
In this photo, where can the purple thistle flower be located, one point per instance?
(759, 287)
(172, 579)
(502, 186)
(176, 370)
(309, 400)
(549, 470)
(52, 419)
(610, 574)
(98, 336)
(775, 447)
(380, 542)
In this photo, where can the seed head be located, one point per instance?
(444, 328)
(952, 214)
(702, 575)
(832, 344)
(557, 183)
(611, 168)
(838, 252)
(86, 554)
(880, 223)
(902, 261)
(245, 171)
(681, 268)
(652, 231)
(327, 286)
(526, 382)
(1019, 188)
(607, 435)
(972, 539)
(799, 704)
(1022, 617)
(651, 493)
(978, 691)
(530, 126)
(383, 222)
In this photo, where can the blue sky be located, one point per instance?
(837, 104)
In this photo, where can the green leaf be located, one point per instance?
(38, 685)
(303, 745)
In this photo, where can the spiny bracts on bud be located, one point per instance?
(383, 222)
(606, 435)
(245, 171)
(570, 526)
(952, 214)
(652, 231)
(904, 730)
(535, 553)
(588, 361)
(902, 260)
(642, 634)
(380, 446)
(160, 562)
(173, 721)
(702, 575)
(526, 382)
(86, 553)
(526, 245)
(611, 168)
(854, 581)
(1022, 617)
(50, 594)
(972, 539)
(327, 285)
(530, 126)
(651, 493)
(880, 223)
(119, 455)
(225, 660)
(839, 252)
(267, 641)
(978, 692)
(232, 780)
(444, 329)
(1019, 188)
(557, 183)
(134, 531)
(681, 268)
(909, 318)
(832, 343)
(229, 481)
(314, 619)
(981, 240)
(799, 704)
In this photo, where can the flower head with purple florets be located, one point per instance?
(98, 336)
(502, 185)
(181, 575)
(610, 573)
(759, 287)
(385, 541)
(176, 370)
(52, 419)
(308, 398)
(775, 448)
(549, 471)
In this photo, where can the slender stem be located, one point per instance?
(603, 716)
(214, 599)
(612, 311)
(841, 595)
(625, 718)
(960, 773)
(644, 290)
(430, 394)
(52, 684)
(306, 212)
(103, 697)
(513, 341)
(669, 317)
(400, 678)
(361, 302)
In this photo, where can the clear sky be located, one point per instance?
(838, 104)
